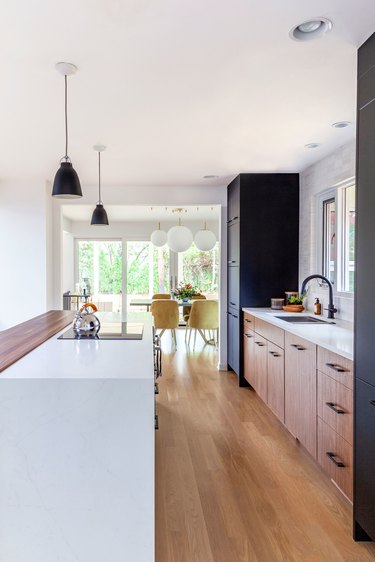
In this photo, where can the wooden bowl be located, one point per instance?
(293, 307)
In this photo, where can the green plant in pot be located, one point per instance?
(295, 303)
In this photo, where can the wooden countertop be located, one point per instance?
(23, 338)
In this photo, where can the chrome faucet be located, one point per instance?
(331, 308)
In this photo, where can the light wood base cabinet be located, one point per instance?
(260, 366)
(248, 358)
(300, 390)
(275, 380)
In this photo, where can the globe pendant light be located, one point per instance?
(159, 237)
(205, 239)
(179, 238)
(99, 216)
(66, 184)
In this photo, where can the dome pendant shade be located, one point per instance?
(66, 184)
(205, 240)
(159, 237)
(99, 216)
(180, 238)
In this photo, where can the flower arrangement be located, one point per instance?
(185, 291)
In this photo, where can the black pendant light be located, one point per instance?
(66, 184)
(99, 216)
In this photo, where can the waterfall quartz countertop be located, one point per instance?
(77, 451)
(336, 337)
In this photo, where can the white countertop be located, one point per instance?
(77, 452)
(336, 337)
(90, 359)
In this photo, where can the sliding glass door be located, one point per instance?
(147, 270)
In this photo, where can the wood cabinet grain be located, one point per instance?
(275, 380)
(335, 406)
(249, 363)
(335, 455)
(260, 366)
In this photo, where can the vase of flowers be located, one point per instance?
(185, 291)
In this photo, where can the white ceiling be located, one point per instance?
(142, 213)
(175, 89)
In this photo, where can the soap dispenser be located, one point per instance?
(317, 307)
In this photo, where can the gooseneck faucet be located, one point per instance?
(331, 308)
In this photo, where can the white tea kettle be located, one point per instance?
(85, 323)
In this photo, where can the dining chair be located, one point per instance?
(186, 309)
(161, 296)
(165, 313)
(204, 315)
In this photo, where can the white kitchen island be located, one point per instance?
(77, 452)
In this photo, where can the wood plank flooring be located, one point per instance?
(232, 485)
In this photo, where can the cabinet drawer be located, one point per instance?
(270, 332)
(260, 366)
(335, 366)
(335, 406)
(275, 380)
(335, 456)
(248, 354)
(248, 323)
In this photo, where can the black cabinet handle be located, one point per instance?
(234, 316)
(274, 354)
(334, 408)
(247, 320)
(248, 335)
(336, 368)
(232, 219)
(230, 314)
(260, 343)
(298, 347)
(331, 457)
(372, 402)
(232, 261)
(232, 303)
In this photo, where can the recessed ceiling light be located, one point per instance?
(312, 145)
(341, 124)
(310, 29)
(209, 177)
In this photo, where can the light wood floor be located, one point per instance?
(231, 484)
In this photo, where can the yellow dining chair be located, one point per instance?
(165, 313)
(186, 309)
(204, 315)
(161, 296)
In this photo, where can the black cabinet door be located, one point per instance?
(234, 200)
(365, 258)
(234, 287)
(234, 340)
(364, 481)
(234, 244)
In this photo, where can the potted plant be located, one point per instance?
(295, 303)
(185, 291)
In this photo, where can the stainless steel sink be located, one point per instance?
(303, 320)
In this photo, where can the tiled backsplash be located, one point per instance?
(325, 174)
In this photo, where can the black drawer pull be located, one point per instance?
(261, 344)
(331, 457)
(232, 261)
(248, 335)
(298, 347)
(234, 316)
(156, 388)
(274, 354)
(247, 320)
(334, 408)
(232, 303)
(372, 402)
(336, 368)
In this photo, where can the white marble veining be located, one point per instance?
(77, 453)
(336, 337)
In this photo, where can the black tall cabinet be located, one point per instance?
(263, 232)
(364, 414)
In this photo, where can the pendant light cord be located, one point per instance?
(66, 117)
(100, 200)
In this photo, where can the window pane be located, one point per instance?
(161, 270)
(349, 238)
(201, 269)
(329, 239)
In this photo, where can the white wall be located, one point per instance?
(328, 172)
(24, 220)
